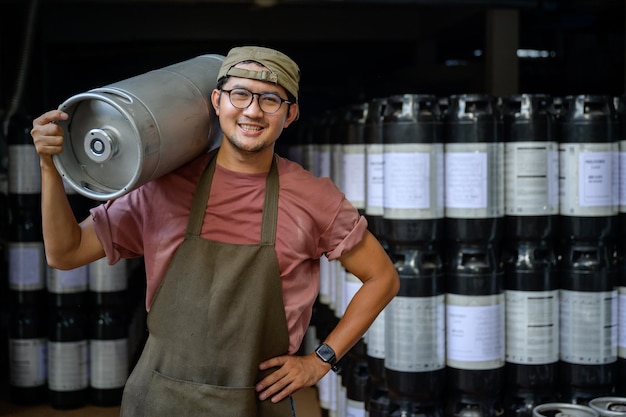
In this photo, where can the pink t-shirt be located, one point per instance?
(314, 219)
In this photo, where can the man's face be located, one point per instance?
(250, 129)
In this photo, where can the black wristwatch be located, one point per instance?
(327, 354)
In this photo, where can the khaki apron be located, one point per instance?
(217, 314)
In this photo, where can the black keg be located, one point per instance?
(413, 169)
(415, 328)
(588, 168)
(475, 326)
(68, 356)
(28, 354)
(588, 320)
(531, 170)
(532, 326)
(474, 169)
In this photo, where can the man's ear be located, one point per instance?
(215, 100)
(292, 116)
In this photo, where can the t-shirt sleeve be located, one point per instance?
(317, 207)
(119, 226)
(345, 231)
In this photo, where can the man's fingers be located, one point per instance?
(51, 116)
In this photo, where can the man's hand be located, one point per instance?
(293, 374)
(48, 136)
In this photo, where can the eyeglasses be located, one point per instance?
(268, 102)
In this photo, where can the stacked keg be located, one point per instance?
(587, 261)
(414, 362)
(108, 331)
(28, 373)
(68, 337)
(620, 378)
(474, 215)
(501, 215)
(5, 304)
(55, 326)
(354, 181)
(377, 402)
(531, 287)
(317, 158)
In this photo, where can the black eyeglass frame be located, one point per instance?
(282, 100)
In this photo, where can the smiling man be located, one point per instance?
(231, 243)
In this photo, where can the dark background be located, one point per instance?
(347, 50)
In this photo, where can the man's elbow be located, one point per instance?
(60, 262)
(394, 285)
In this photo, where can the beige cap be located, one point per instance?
(282, 70)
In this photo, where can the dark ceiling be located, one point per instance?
(348, 50)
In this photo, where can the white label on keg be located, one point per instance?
(108, 278)
(376, 337)
(474, 180)
(355, 408)
(475, 331)
(621, 320)
(406, 179)
(413, 182)
(375, 180)
(27, 362)
(466, 180)
(26, 266)
(108, 363)
(596, 178)
(353, 170)
(415, 334)
(532, 327)
(532, 178)
(24, 170)
(68, 281)
(588, 176)
(68, 368)
(588, 334)
(622, 176)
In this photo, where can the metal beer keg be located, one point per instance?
(563, 410)
(125, 134)
(609, 406)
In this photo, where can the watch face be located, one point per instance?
(325, 352)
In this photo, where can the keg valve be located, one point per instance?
(100, 145)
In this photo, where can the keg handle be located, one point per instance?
(98, 189)
(111, 90)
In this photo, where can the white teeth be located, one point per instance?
(250, 128)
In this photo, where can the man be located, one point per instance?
(231, 243)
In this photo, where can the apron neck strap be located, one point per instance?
(201, 197)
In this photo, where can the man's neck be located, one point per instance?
(245, 162)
